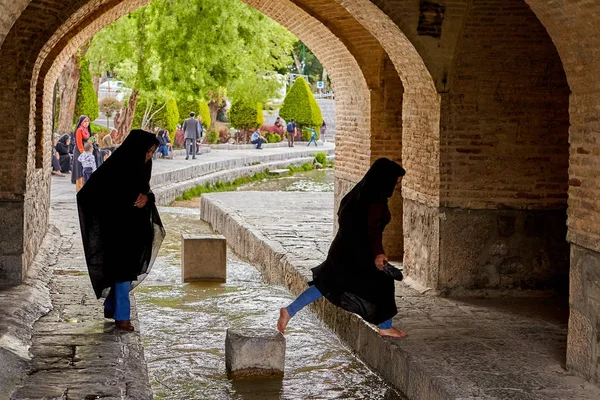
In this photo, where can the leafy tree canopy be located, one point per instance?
(195, 47)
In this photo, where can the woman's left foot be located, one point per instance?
(392, 332)
(125, 326)
(284, 318)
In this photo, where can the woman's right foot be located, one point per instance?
(284, 318)
(392, 332)
(125, 326)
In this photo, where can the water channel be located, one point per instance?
(183, 325)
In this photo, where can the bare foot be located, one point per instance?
(284, 318)
(392, 332)
(126, 326)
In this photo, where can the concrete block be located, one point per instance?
(203, 258)
(254, 353)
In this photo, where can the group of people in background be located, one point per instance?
(291, 130)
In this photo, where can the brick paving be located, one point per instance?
(475, 348)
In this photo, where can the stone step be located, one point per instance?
(281, 171)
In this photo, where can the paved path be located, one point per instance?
(76, 353)
(468, 348)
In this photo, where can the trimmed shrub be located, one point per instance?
(224, 135)
(272, 137)
(204, 112)
(321, 158)
(168, 117)
(244, 116)
(212, 137)
(87, 100)
(300, 104)
(272, 129)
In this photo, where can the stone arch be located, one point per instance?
(571, 27)
(37, 48)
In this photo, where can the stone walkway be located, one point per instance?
(76, 353)
(456, 349)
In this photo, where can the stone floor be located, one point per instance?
(75, 352)
(468, 348)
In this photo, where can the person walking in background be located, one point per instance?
(81, 134)
(356, 275)
(200, 135)
(88, 161)
(291, 132)
(191, 132)
(121, 241)
(323, 131)
(313, 137)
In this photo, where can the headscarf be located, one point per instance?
(79, 122)
(61, 145)
(377, 185)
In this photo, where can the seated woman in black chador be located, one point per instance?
(120, 226)
(65, 153)
(355, 276)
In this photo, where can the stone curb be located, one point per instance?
(197, 170)
(21, 307)
(412, 376)
(165, 194)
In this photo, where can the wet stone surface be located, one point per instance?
(76, 353)
(494, 348)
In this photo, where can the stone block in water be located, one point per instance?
(203, 258)
(254, 353)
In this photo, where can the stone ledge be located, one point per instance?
(165, 194)
(21, 307)
(466, 348)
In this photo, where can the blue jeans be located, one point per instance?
(313, 294)
(164, 150)
(313, 139)
(258, 142)
(118, 301)
(87, 172)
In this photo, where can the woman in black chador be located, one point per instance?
(64, 152)
(356, 275)
(120, 226)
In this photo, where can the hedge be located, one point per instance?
(87, 100)
(244, 116)
(205, 114)
(168, 117)
(300, 105)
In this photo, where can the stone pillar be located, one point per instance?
(583, 342)
(12, 270)
(203, 258)
(251, 353)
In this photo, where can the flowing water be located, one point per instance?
(318, 180)
(183, 331)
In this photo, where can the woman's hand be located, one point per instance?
(141, 201)
(380, 261)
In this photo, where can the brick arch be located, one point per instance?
(572, 27)
(40, 37)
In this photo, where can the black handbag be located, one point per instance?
(393, 272)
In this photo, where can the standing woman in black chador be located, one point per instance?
(120, 226)
(356, 276)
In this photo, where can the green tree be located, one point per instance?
(87, 100)
(300, 104)
(160, 47)
(245, 116)
(168, 117)
(204, 112)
